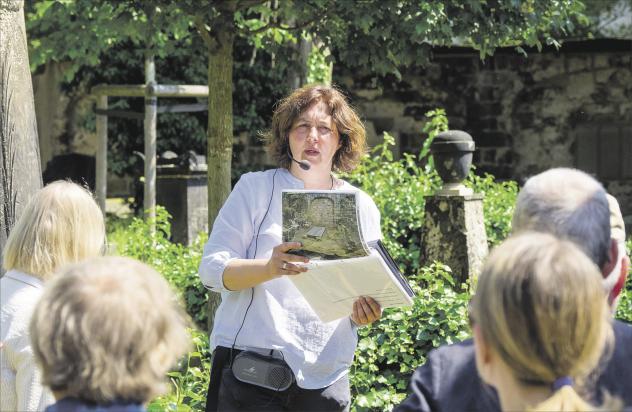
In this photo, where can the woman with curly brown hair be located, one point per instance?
(314, 133)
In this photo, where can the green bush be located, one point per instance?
(398, 188)
(498, 205)
(189, 381)
(177, 263)
(624, 310)
(390, 349)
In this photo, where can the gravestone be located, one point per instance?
(181, 187)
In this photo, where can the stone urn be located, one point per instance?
(452, 152)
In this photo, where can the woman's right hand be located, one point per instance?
(283, 263)
(246, 273)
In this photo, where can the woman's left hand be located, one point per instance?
(366, 310)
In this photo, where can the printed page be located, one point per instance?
(325, 222)
(331, 287)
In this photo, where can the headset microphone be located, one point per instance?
(303, 164)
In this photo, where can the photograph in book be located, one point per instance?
(325, 222)
(342, 266)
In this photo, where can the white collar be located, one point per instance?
(24, 278)
(299, 184)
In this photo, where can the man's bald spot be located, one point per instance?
(567, 203)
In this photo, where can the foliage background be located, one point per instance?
(388, 350)
(102, 42)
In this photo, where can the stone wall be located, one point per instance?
(59, 115)
(571, 107)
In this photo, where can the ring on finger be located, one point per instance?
(284, 265)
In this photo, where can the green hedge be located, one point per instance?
(390, 349)
(624, 310)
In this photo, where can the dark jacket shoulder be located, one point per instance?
(448, 381)
(71, 404)
(616, 376)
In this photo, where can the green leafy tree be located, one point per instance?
(382, 36)
(78, 33)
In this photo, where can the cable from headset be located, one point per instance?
(252, 290)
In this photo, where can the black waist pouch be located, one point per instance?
(262, 370)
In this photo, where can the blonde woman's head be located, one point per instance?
(108, 329)
(61, 224)
(541, 310)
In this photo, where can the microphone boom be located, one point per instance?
(303, 164)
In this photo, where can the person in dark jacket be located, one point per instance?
(572, 205)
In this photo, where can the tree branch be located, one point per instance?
(201, 28)
(277, 25)
(245, 4)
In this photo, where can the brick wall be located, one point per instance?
(571, 107)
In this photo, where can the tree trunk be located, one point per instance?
(220, 118)
(20, 170)
(297, 72)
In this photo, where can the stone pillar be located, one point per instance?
(454, 234)
(454, 227)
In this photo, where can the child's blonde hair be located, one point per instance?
(540, 305)
(108, 329)
(61, 224)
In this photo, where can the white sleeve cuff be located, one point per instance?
(212, 271)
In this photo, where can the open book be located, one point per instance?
(342, 267)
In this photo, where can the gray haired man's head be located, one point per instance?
(570, 204)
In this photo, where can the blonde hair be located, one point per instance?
(106, 329)
(61, 224)
(348, 125)
(540, 305)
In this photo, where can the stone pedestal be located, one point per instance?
(184, 195)
(454, 234)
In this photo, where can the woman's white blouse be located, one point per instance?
(20, 380)
(279, 317)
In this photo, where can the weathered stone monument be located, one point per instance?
(181, 188)
(454, 227)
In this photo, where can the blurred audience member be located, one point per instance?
(536, 338)
(105, 333)
(571, 205)
(61, 224)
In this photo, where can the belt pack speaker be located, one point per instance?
(261, 370)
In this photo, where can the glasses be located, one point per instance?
(304, 129)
